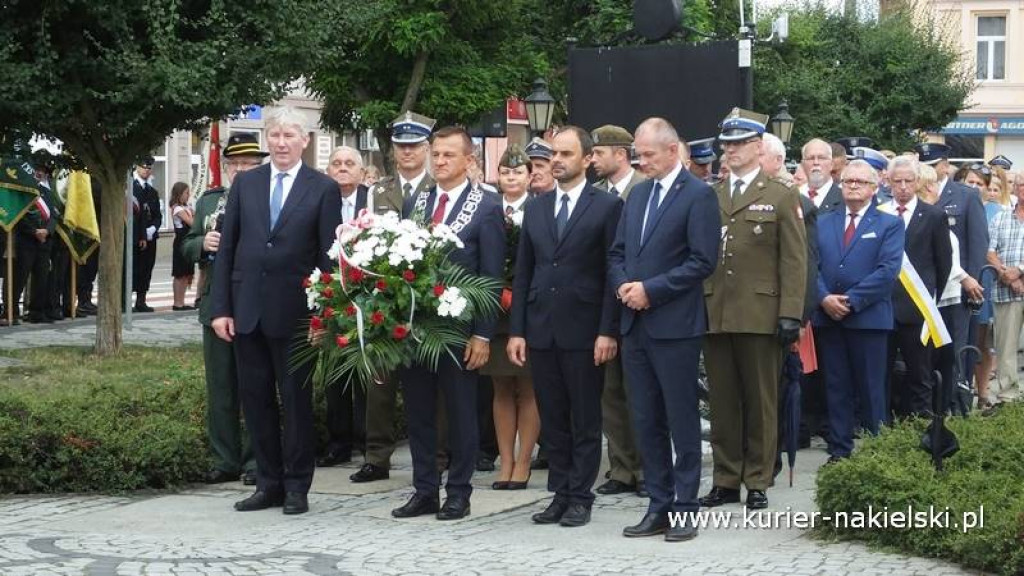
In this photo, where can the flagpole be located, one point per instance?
(74, 287)
(9, 283)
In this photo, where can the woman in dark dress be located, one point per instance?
(181, 268)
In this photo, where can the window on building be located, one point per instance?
(991, 62)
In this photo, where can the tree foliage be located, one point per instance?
(880, 78)
(113, 79)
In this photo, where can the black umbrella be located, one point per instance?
(792, 368)
(938, 440)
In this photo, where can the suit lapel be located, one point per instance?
(361, 192)
(262, 202)
(582, 203)
(866, 225)
(670, 196)
(295, 197)
(753, 193)
(549, 214)
(457, 207)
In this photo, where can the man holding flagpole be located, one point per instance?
(927, 248)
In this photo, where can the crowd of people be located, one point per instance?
(629, 266)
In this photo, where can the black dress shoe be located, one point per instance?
(756, 499)
(577, 515)
(484, 463)
(516, 485)
(833, 460)
(418, 505)
(181, 308)
(333, 459)
(295, 503)
(500, 485)
(539, 463)
(142, 308)
(615, 487)
(38, 319)
(651, 525)
(260, 500)
(369, 473)
(641, 489)
(552, 514)
(55, 316)
(249, 478)
(719, 496)
(454, 507)
(681, 533)
(219, 477)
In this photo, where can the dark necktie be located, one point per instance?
(850, 230)
(406, 189)
(509, 210)
(737, 189)
(613, 191)
(901, 210)
(442, 203)
(562, 218)
(652, 210)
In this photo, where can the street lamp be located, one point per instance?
(540, 107)
(782, 123)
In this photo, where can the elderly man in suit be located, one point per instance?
(564, 312)
(665, 247)
(477, 218)
(611, 163)
(860, 251)
(346, 405)
(816, 160)
(755, 300)
(279, 223)
(928, 248)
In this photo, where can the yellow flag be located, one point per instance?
(80, 213)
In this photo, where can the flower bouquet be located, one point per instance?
(513, 224)
(393, 300)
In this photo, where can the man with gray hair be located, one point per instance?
(816, 160)
(773, 156)
(279, 223)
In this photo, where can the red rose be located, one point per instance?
(326, 278)
(377, 317)
(399, 332)
(315, 323)
(382, 285)
(306, 282)
(328, 312)
(355, 274)
(438, 290)
(341, 341)
(327, 292)
(350, 310)
(409, 275)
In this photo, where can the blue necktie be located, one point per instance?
(277, 199)
(562, 218)
(652, 210)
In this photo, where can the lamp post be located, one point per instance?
(782, 124)
(540, 107)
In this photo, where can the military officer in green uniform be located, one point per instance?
(409, 134)
(754, 301)
(232, 455)
(612, 145)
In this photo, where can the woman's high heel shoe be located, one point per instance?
(513, 485)
(500, 485)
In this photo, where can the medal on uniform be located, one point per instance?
(757, 229)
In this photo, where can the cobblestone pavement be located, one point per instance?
(349, 529)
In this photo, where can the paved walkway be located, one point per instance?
(349, 529)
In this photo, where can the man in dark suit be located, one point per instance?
(612, 146)
(279, 224)
(346, 404)
(665, 247)
(966, 217)
(42, 271)
(477, 218)
(860, 251)
(563, 310)
(928, 247)
(147, 223)
(816, 159)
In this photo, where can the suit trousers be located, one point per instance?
(947, 360)
(743, 390)
(232, 453)
(912, 397)
(346, 417)
(1009, 321)
(420, 389)
(623, 458)
(285, 456)
(662, 379)
(59, 297)
(568, 389)
(28, 261)
(381, 413)
(41, 279)
(855, 362)
(142, 268)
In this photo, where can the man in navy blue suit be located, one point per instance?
(477, 218)
(563, 310)
(279, 223)
(860, 251)
(665, 246)
(966, 216)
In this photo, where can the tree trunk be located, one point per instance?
(383, 136)
(112, 222)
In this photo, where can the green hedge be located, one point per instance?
(892, 471)
(74, 422)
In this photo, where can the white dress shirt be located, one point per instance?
(666, 186)
(821, 192)
(517, 208)
(908, 213)
(745, 178)
(574, 196)
(413, 183)
(622, 184)
(348, 206)
(860, 218)
(286, 184)
(453, 198)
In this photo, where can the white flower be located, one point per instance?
(451, 303)
(335, 251)
(311, 291)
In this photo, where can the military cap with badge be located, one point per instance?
(1001, 162)
(539, 148)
